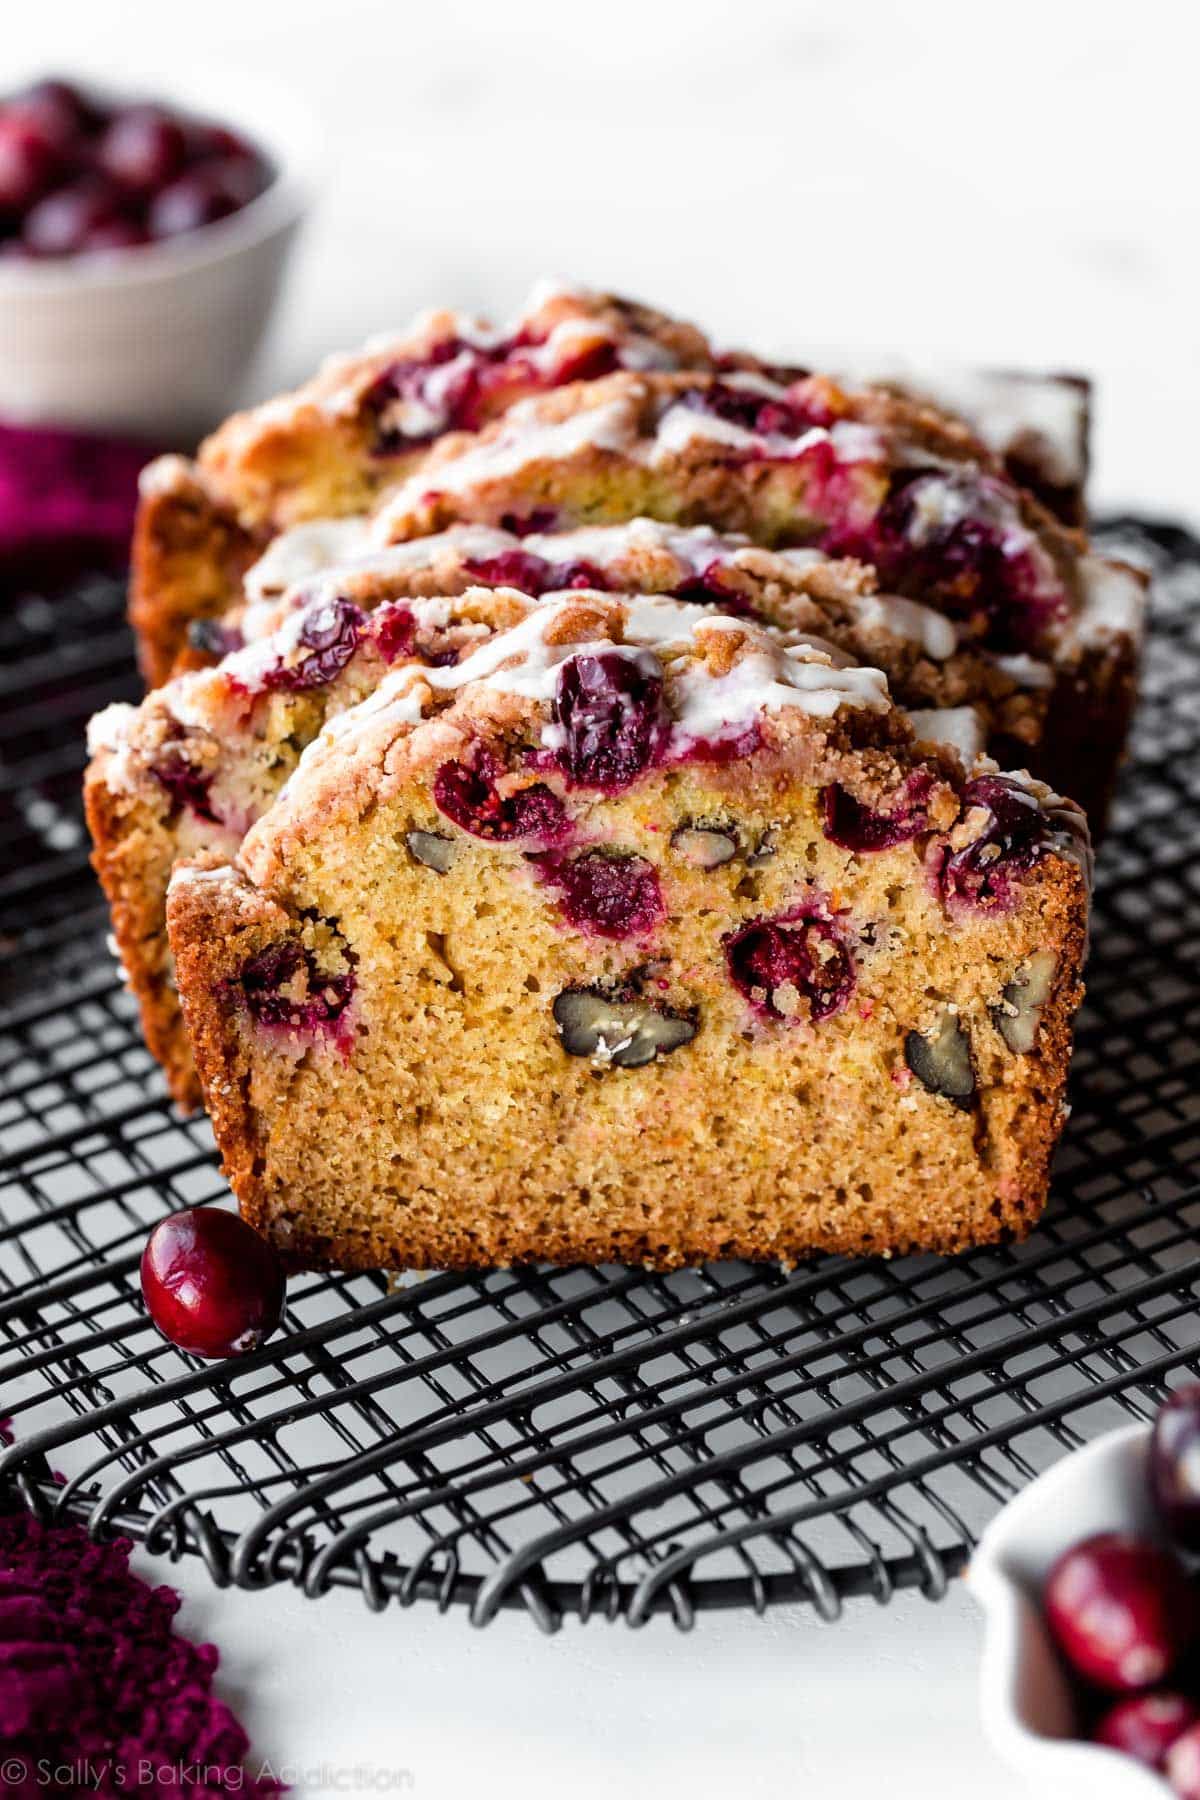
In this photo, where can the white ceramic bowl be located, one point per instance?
(1028, 1710)
(154, 342)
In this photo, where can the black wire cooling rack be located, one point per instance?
(591, 1441)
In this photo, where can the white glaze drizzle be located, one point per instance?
(766, 680)
(956, 727)
(1025, 671)
(1114, 601)
(766, 677)
(682, 426)
(523, 439)
(909, 620)
(1044, 413)
(305, 550)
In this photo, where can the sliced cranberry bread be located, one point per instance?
(329, 448)
(949, 661)
(645, 934)
(931, 662)
(1039, 425)
(858, 474)
(366, 421)
(204, 756)
(861, 474)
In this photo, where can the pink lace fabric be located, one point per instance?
(98, 1693)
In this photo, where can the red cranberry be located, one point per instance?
(1013, 836)
(856, 827)
(283, 986)
(1121, 1610)
(29, 163)
(1146, 1725)
(210, 638)
(445, 398)
(206, 141)
(113, 234)
(60, 224)
(513, 568)
(609, 896)
(1175, 1465)
(762, 414)
(211, 1284)
(393, 628)
(588, 364)
(242, 177)
(199, 197)
(968, 561)
(802, 951)
(609, 709)
(185, 783)
(142, 149)
(711, 587)
(532, 574)
(331, 632)
(468, 794)
(1182, 1764)
(542, 518)
(61, 110)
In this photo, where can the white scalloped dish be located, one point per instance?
(1027, 1706)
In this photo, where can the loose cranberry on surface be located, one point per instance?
(1175, 1465)
(610, 711)
(212, 1286)
(792, 967)
(1121, 1610)
(1146, 1725)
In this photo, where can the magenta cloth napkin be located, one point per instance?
(66, 503)
(98, 1694)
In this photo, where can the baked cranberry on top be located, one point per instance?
(610, 716)
(1013, 833)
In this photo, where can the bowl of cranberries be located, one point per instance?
(142, 245)
(1090, 1580)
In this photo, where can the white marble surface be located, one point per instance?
(1009, 184)
(781, 1708)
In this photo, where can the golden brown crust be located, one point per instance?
(314, 453)
(189, 557)
(132, 857)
